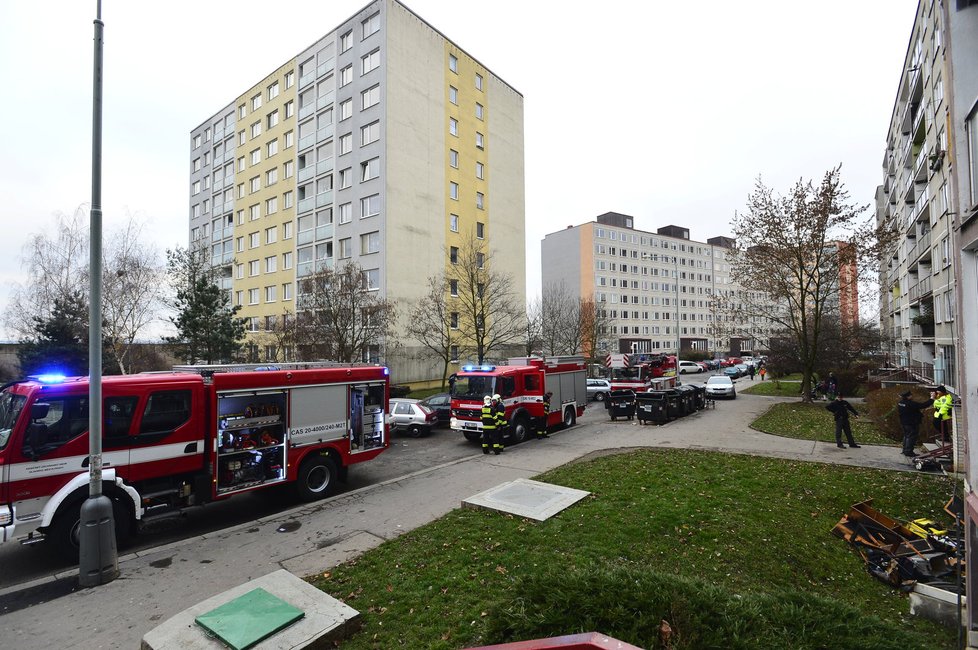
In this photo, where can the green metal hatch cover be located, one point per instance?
(248, 619)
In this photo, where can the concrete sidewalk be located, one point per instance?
(161, 582)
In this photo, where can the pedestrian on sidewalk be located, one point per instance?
(751, 370)
(831, 387)
(910, 417)
(762, 372)
(841, 409)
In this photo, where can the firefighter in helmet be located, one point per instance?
(488, 424)
(542, 426)
(499, 409)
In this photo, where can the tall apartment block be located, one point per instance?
(929, 197)
(655, 289)
(917, 302)
(384, 144)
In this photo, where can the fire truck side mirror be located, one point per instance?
(39, 410)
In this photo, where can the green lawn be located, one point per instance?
(734, 551)
(814, 422)
(772, 388)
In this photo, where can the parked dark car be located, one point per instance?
(441, 404)
(732, 371)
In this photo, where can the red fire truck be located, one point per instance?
(521, 384)
(179, 439)
(644, 372)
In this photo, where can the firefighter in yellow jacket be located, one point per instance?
(488, 424)
(499, 408)
(942, 412)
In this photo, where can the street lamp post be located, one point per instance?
(98, 559)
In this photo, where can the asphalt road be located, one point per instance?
(20, 564)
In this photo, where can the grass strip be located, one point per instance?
(815, 422)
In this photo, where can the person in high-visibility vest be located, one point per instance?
(500, 411)
(488, 424)
(542, 427)
(942, 411)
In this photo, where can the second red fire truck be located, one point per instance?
(640, 373)
(180, 439)
(521, 384)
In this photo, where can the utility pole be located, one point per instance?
(98, 557)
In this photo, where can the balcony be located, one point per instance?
(921, 244)
(307, 79)
(306, 205)
(325, 133)
(920, 290)
(922, 332)
(305, 173)
(325, 100)
(307, 110)
(324, 166)
(324, 198)
(307, 141)
(920, 165)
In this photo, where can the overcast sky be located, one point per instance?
(667, 111)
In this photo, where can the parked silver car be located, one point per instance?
(412, 417)
(598, 389)
(720, 386)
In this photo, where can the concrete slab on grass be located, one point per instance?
(326, 619)
(525, 498)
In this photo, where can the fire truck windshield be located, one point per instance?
(633, 373)
(10, 408)
(473, 387)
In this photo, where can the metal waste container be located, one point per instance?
(687, 396)
(674, 404)
(620, 404)
(652, 407)
(699, 396)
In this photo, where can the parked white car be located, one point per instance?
(598, 389)
(689, 366)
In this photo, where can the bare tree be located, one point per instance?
(433, 322)
(131, 290)
(595, 324)
(792, 252)
(283, 335)
(490, 315)
(341, 318)
(56, 267)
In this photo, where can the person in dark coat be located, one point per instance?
(840, 410)
(831, 387)
(910, 418)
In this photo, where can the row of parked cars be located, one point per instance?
(417, 418)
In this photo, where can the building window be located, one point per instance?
(346, 41)
(345, 248)
(453, 287)
(271, 235)
(289, 168)
(254, 241)
(196, 188)
(480, 230)
(271, 205)
(255, 183)
(370, 206)
(242, 138)
(271, 176)
(346, 109)
(241, 112)
(453, 126)
(289, 109)
(453, 63)
(253, 300)
(480, 200)
(480, 170)
(256, 129)
(346, 178)
(479, 111)
(453, 158)
(971, 133)
(289, 139)
(273, 91)
(256, 156)
(453, 254)
(369, 62)
(369, 133)
(453, 190)
(288, 200)
(270, 293)
(273, 119)
(453, 95)
(287, 291)
(478, 81)
(370, 243)
(271, 148)
(287, 260)
(454, 353)
(196, 167)
(271, 264)
(453, 320)
(453, 222)
(346, 75)
(371, 279)
(369, 169)
(256, 102)
(254, 211)
(369, 97)
(346, 213)
(290, 78)
(480, 141)
(197, 141)
(346, 143)
(371, 25)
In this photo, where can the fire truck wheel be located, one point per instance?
(316, 478)
(519, 429)
(472, 436)
(64, 529)
(570, 418)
